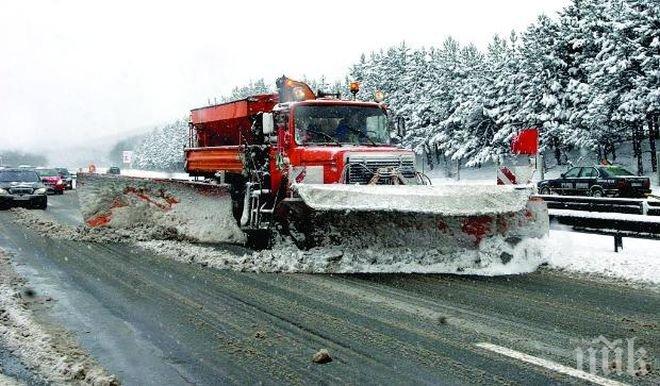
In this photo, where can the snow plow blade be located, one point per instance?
(471, 229)
(172, 208)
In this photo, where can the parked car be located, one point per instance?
(65, 175)
(22, 187)
(114, 170)
(52, 180)
(598, 181)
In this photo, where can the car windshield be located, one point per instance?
(62, 172)
(617, 171)
(18, 176)
(336, 125)
(47, 173)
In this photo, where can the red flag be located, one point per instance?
(526, 142)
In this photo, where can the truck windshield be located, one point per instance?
(337, 125)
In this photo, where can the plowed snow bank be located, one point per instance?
(284, 257)
(594, 254)
(52, 354)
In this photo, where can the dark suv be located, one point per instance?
(22, 187)
(597, 181)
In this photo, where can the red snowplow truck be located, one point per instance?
(321, 171)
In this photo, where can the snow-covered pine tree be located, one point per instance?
(162, 148)
(252, 88)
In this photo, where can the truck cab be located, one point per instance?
(265, 145)
(336, 141)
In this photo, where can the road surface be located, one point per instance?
(151, 320)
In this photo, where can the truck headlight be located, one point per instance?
(40, 191)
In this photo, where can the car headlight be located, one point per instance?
(3, 192)
(40, 191)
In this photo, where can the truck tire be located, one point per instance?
(258, 239)
(237, 193)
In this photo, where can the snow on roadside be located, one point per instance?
(639, 261)
(286, 257)
(566, 251)
(6, 381)
(49, 352)
(42, 223)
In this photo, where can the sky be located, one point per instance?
(79, 72)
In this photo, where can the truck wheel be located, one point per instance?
(597, 193)
(258, 239)
(237, 192)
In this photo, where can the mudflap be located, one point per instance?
(188, 210)
(405, 241)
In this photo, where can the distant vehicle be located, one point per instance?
(20, 186)
(65, 175)
(52, 180)
(598, 181)
(114, 170)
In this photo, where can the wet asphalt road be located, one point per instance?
(155, 321)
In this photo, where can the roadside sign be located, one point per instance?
(127, 156)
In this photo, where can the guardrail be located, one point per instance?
(650, 207)
(618, 225)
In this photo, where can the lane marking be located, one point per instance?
(575, 373)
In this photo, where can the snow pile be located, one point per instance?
(195, 211)
(594, 254)
(40, 222)
(411, 245)
(51, 354)
(488, 260)
(6, 381)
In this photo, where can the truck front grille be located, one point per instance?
(362, 168)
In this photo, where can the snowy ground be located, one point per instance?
(46, 350)
(594, 254)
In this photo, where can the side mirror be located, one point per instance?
(563, 175)
(268, 123)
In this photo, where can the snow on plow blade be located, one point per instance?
(382, 228)
(194, 211)
(448, 200)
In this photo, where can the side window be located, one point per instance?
(573, 173)
(589, 172)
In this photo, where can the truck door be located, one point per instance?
(569, 180)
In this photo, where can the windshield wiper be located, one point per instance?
(330, 137)
(360, 133)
